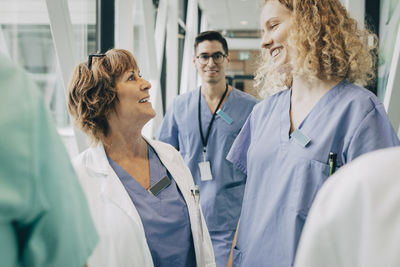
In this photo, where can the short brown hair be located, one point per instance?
(92, 91)
(211, 36)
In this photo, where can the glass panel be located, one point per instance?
(25, 35)
(389, 25)
(139, 35)
(182, 9)
(27, 38)
(83, 17)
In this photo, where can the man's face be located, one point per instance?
(210, 71)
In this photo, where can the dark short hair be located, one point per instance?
(211, 36)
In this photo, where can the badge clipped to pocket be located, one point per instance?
(205, 171)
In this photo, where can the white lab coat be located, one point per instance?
(122, 238)
(355, 218)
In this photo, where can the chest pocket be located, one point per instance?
(187, 140)
(309, 177)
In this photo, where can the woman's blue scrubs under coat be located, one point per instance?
(165, 216)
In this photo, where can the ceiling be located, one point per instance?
(232, 15)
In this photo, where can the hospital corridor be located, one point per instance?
(199, 133)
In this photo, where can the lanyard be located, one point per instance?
(212, 119)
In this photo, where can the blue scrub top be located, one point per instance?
(283, 176)
(220, 198)
(165, 217)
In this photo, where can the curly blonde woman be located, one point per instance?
(327, 44)
(296, 138)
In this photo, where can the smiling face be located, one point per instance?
(276, 23)
(211, 72)
(134, 99)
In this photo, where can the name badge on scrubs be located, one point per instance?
(224, 116)
(160, 185)
(205, 169)
(300, 138)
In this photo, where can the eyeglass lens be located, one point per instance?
(217, 58)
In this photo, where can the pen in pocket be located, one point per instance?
(332, 163)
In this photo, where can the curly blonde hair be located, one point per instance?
(328, 43)
(92, 93)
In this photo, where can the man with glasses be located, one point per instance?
(202, 124)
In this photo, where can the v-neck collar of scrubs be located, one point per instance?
(157, 172)
(322, 102)
(204, 106)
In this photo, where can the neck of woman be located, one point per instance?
(305, 95)
(304, 88)
(125, 140)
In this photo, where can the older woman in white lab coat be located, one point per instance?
(141, 194)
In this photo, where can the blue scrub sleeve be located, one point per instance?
(238, 152)
(375, 132)
(168, 132)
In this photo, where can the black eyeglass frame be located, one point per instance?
(213, 57)
(90, 58)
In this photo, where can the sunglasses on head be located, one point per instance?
(91, 58)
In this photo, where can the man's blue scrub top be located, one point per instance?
(283, 176)
(221, 198)
(165, 217)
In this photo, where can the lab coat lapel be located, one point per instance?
(111, 187)
(174, 169)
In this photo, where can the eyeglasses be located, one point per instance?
(89, 63)
(218, 58)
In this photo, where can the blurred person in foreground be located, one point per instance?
(140, 192)
(354, 220)
(44, 217)
(316, 120)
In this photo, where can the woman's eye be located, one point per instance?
(274, 25)
(131, 78)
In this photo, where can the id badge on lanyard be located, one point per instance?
(205, 166)
(205, 169)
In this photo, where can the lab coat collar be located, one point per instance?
(170, 161)
(157, 146)
(97, 160)
(98, 164)
(111, 186)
